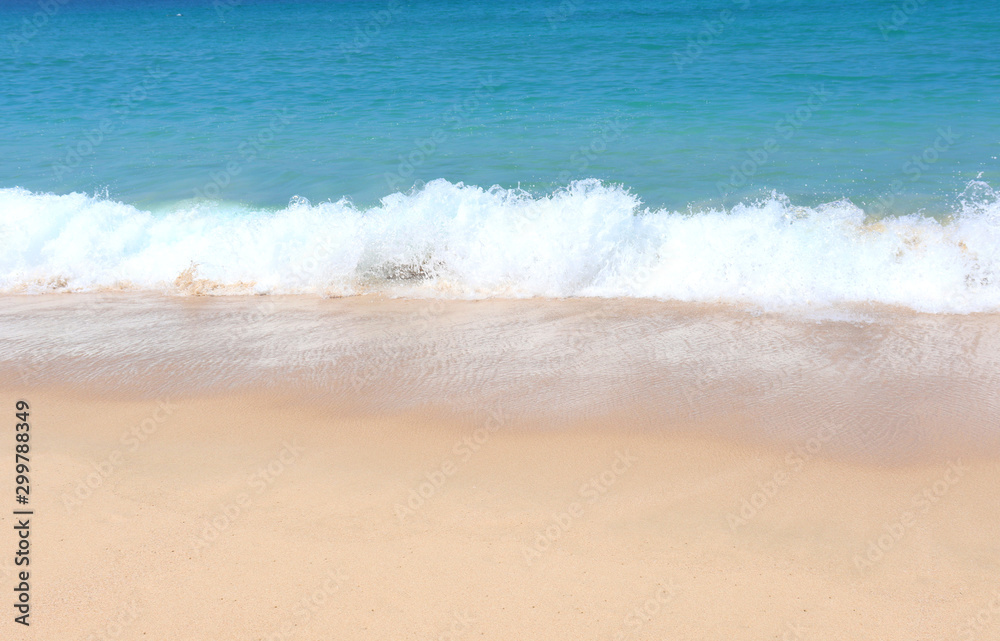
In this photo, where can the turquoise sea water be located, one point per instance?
(170, 106)
(326, 99)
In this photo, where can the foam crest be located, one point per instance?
(459, 241)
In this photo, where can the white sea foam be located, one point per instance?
(456, 241)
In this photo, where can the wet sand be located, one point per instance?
(364, 468)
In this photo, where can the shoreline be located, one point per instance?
(889, 385)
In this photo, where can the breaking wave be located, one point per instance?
(459, 241)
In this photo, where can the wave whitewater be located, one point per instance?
(457, 241)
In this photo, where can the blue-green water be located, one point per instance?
(175, 106)
(328, 99)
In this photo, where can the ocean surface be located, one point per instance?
(763, 152)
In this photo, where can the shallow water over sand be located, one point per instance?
(873, 382)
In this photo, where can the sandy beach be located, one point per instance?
(539, 320)
(436, 479)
